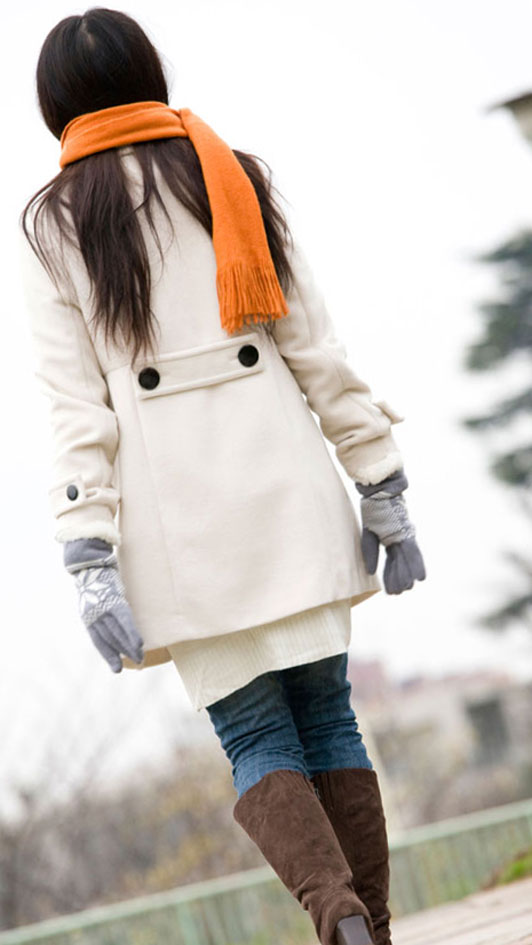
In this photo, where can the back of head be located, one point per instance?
(96, 60)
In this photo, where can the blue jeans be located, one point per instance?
(299, 718)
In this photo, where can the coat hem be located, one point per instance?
(156, 656)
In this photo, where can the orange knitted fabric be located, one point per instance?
(246, 281)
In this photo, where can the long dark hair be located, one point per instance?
(93, 61)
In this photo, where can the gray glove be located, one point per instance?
(385, 519)
(102, 603)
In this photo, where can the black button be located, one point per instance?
(72, 491)
(248, 355)
(149, 378)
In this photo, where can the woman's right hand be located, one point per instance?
(385, 519)
(102, 603)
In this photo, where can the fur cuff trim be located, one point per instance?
(370, 475)
(107, 531)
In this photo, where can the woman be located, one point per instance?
(183, 344)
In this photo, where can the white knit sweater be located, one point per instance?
(213, 668)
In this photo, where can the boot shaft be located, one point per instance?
(283, 816)
(352, 801)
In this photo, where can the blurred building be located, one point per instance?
(445, 745)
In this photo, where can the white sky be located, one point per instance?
(372, 117)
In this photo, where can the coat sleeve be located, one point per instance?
(358, 427)
(84, 426)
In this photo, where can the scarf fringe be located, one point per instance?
(249, 292)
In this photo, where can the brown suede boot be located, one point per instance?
(283, 816)
(352, 800)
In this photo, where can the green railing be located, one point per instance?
(428, 865)
(452, 858)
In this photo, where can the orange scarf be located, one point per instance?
(246, 280)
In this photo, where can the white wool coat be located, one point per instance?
(206, 465)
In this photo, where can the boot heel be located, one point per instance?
(353, 930)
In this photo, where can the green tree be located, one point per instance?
(506, 338)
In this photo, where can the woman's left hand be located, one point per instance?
(385, 519)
